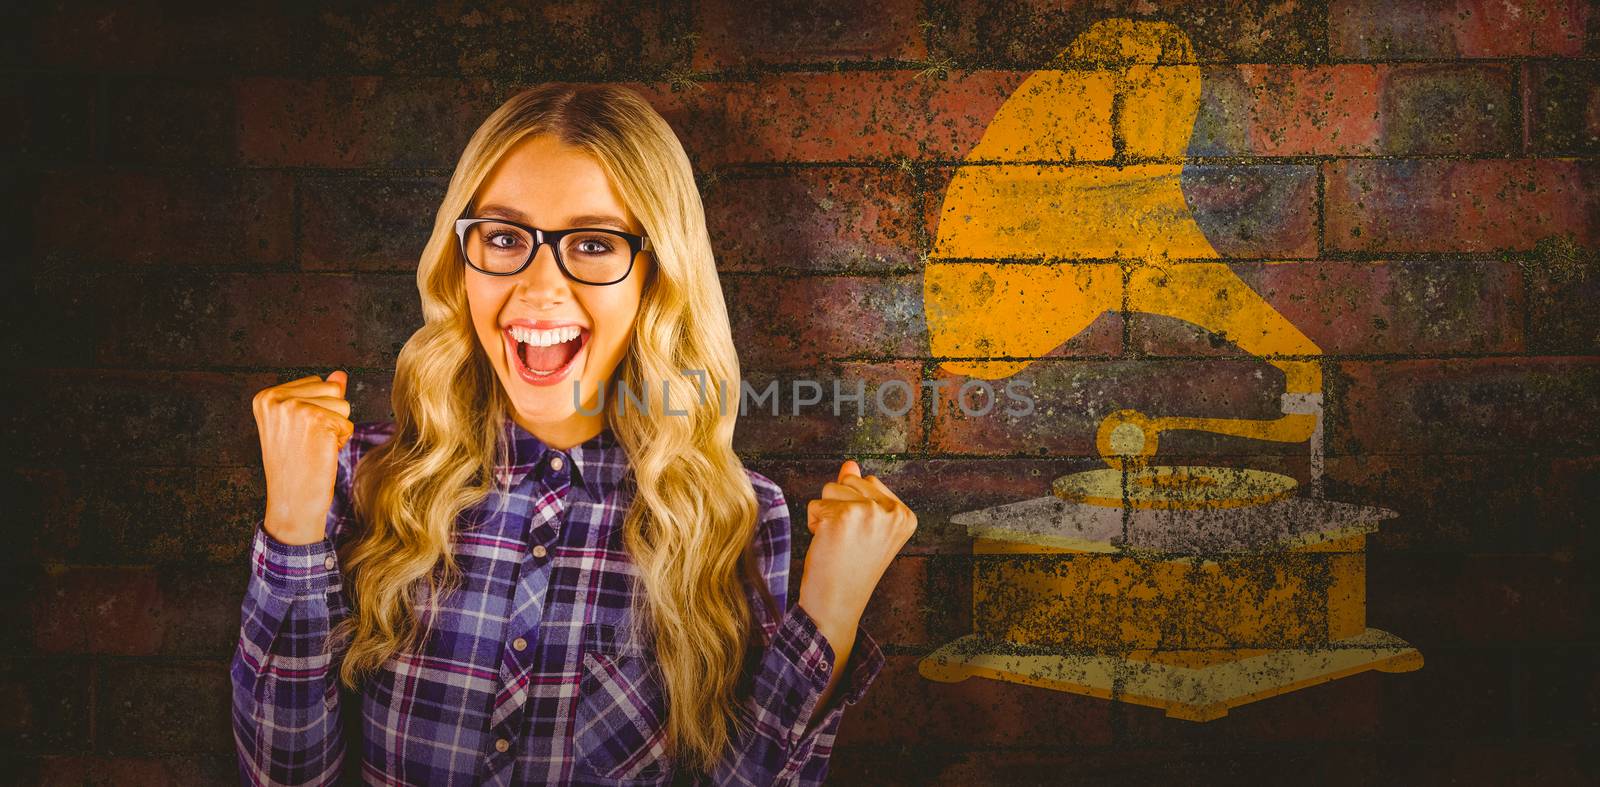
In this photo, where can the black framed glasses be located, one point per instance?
(588, 255)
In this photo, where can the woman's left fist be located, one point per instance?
(857, 527)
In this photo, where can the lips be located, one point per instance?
(543, 365)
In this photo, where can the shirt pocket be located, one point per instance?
(619, 724)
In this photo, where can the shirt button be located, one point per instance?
(502, 745)
(519, 644)
(555, 463)
(328, 564)
(539, 550)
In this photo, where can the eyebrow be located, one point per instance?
(585, 220)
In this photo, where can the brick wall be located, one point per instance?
(1411, 183)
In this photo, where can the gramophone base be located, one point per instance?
(1193, 685)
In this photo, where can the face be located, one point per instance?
(548, 184)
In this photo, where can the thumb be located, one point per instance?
(849, 468)
(341, 378)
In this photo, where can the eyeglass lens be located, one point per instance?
(594, 256)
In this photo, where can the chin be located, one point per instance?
(542, 404)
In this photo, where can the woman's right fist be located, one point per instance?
(303, 423)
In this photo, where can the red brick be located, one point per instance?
(256, 320)
(1280, 110)
(1466, 503)
(107, 218)
(1562, 691)
(733, 34)
(1420, 29)
(174, 770)
(1570, 496)
(788, 323)
(47, 705)
(1458, 694)
(698, 114)
(1245, 211)
(814, 219)
(367, 224)
(1436, 599)
(1499, 406)
(903, 707)
(935, 488)
(163, 707)
(1559, 99)
(124, 417)
(1254, 211)
(814, 427)
(1071, 397)
(961, 106)
(1501, 761)
(1436, 109)
(1458, 206)
(848, 116)
(898, 610)
(95, 36)
(343, 122)
(1349, 708)
(592, 40)
(1027, 33)
(199, 613)
(1563, 284)
(171, 121)
(96, 609)
(394, 38)
(1221, 761)
(166, 515)
(1410, 307)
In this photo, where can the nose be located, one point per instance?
(542, 281)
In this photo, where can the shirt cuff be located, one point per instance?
(294, 569)
(806, 646)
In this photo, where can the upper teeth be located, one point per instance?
(544, 338)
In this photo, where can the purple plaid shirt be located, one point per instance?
(527, 677)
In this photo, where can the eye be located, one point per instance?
(494, 237)
(594, 246)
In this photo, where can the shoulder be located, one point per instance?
(769, 496)
(772, 534)
(771, 546)
(366, 436)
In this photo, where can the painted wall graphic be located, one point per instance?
(1191, 588)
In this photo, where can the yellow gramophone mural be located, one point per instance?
(1193, 589)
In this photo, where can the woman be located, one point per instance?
(527, 577)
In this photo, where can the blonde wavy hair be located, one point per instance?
(693, 514)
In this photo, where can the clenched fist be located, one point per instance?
(303, 423)
(857, 527)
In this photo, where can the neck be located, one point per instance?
(565, 433)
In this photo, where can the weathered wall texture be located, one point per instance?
(208, 202)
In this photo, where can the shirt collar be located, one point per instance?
(597, 464)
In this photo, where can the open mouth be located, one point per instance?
(543, 357)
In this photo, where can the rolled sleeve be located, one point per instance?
(294, 570)
(805, 647)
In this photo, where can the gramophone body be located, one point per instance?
(1190, 588)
